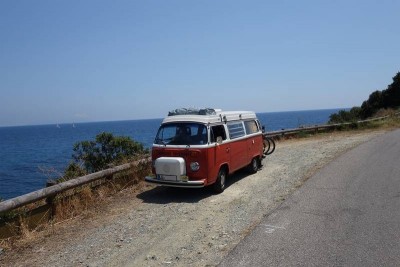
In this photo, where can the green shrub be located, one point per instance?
(302, 134)
(105, 151)
(342, 116)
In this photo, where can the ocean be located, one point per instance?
(29, 155)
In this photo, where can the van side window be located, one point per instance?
(236, 130)
(251, 127)
(201, 134)
(217, 130)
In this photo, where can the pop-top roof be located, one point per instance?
(193, 111)
(207, 115)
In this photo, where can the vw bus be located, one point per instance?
(197, 148)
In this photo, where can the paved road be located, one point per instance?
(348, 214)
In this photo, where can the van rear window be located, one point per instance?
(236, 130)
(251, 127)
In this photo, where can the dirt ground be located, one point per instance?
(160, 226)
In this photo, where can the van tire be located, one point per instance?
(254, 165)
(219, 185)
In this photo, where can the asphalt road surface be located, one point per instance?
(348, 214)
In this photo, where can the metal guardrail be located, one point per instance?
(53, 190)
(321, 127)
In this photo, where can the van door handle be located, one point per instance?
(227, 150)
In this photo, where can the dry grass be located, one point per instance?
(385, 112)
(389, 124)
(26, 233)
(85, 201)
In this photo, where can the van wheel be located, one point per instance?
(254, 165)
(219, 185)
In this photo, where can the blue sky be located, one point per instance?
(78, 61)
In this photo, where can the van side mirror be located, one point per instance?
(219, 140)
(263, 129)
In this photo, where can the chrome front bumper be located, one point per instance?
(188, 184)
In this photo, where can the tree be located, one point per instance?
(345, 116)
(105, 150)
(372, 105)
(391, 96)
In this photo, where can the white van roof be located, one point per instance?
(212, 116)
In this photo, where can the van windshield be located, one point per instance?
(182, 134)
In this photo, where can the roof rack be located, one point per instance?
(193, 111)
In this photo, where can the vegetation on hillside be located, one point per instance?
(105, 151)
(379, 100)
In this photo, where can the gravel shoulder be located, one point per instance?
(157, 226)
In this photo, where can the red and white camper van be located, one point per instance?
(196, 148)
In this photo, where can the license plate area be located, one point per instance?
(167, 177)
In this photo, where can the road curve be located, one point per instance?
(348, 214)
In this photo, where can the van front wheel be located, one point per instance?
(219, 185)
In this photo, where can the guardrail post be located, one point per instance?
(50, 199)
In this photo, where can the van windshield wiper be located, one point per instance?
(159, 140)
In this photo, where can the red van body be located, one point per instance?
(201, 148)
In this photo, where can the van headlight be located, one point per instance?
(194, 166)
